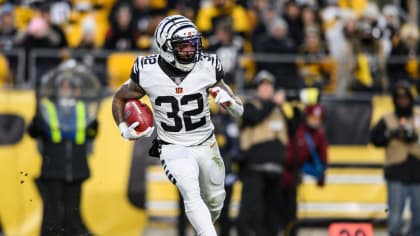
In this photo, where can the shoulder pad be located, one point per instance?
(148, 60)
(140, 63)
(211, 58)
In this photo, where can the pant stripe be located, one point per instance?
(168, 173)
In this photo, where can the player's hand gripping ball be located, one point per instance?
(137, 111)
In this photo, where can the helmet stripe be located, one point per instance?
(169, 21)
(181, 23)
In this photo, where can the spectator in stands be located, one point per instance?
(145, 20)
(292, 16)
(227, 46)
(310, 20)
(411, 7)
(368, 59)
(55, 33)
(403, 63)
(261, 13)
(333, 21)
(208, 16)
(398, 132)
(350, 24)
(8, 30)
(278, 42)
(316, 66)
(60, 11)
(342, 44)
(187, 8)
(90, 47)
(392, 24)
(89, 28)
(64, 133)
(141, 24)
(42, 34)
(121, 35)
(306, 154)
(263, 141)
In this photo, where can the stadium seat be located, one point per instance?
(119, 67)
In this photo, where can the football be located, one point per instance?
(135, 110)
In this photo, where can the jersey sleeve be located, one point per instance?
(134, 75)
(219, 70)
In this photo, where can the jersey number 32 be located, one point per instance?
(186, 115)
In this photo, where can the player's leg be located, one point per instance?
(182, 170)
(212, 175)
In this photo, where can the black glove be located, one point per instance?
(92, 129)
(410, 136)
(397, 133)
(404, 134)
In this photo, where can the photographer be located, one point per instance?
(263, 140)
(399, 133)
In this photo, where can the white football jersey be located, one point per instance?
(180, 105)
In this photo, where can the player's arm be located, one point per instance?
(129, 90)
(224, 96)
(222, 93)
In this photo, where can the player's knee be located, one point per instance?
(215, 205)
(216, 202)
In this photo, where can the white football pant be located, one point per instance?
(199, 173)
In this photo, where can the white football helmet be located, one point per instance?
(178, 41)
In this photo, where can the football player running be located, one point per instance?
(178, 81)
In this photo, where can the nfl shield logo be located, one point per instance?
(177, 81)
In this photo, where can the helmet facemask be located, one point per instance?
(186, 49)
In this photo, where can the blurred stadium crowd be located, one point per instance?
(339, 46)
